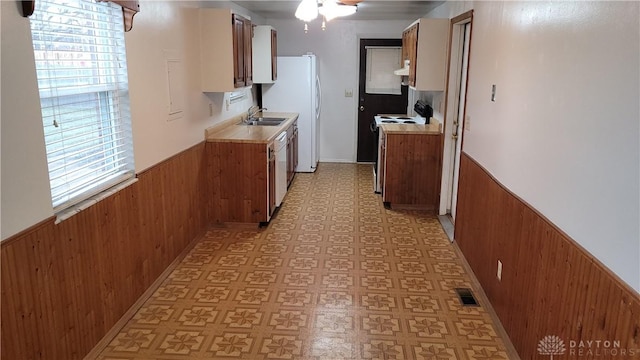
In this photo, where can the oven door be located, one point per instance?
(379, 163)
(374, 129)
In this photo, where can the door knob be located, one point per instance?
(361, 107)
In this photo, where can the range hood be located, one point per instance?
(404, 71)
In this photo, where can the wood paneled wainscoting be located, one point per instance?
(64, 286)
(550, 284)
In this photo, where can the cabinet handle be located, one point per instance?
(361, 107)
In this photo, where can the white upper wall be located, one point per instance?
(337, 49)
(564, 132)
(161, 31)
(25, 193)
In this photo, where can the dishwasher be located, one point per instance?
(281, 167)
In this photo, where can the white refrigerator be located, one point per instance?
(297, 89)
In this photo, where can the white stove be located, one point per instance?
(399, 119)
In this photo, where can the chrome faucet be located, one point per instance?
(253, 111)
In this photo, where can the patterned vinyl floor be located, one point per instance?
(334, 276)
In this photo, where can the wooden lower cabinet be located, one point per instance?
(295, 149)
(272, 178)
(242, 181)
(292, 151)
(412, 170)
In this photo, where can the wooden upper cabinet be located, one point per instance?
(265, 52)
(238, 51)
(242, 39)
(247, 38)
(410, 50)
(274, 55)
(425, 43)
(225, 50)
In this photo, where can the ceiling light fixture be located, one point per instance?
(308, 10)
(330, 9)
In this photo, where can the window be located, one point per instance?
(82, 78)
(381, 62)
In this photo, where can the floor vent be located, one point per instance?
(466, 297)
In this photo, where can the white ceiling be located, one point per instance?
(367, 9)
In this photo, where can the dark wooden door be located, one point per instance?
(369, 105)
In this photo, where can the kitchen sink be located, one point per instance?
(266, 121)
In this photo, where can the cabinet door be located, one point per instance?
(272, 178)
(239, 76)
(289, 155)
(274, 55)
(383, 159)
(295, 148)
(405, 47)
(410, 51)
(414, 50)
(412, 169)
(248, 52)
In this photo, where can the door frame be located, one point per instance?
(456, 26)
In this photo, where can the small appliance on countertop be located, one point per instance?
(423, 109)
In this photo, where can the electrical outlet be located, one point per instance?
(493, 93)
(499, 275)
(228, 103)
(348, 93)
(210, 109)
(467, 123)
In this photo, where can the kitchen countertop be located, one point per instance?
(231, 130)
(433, 128)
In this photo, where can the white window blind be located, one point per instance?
(82, 77)
(381, 62)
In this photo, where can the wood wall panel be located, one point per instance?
(550, 284)
(64, 286)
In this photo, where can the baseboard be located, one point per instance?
(339, 161)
